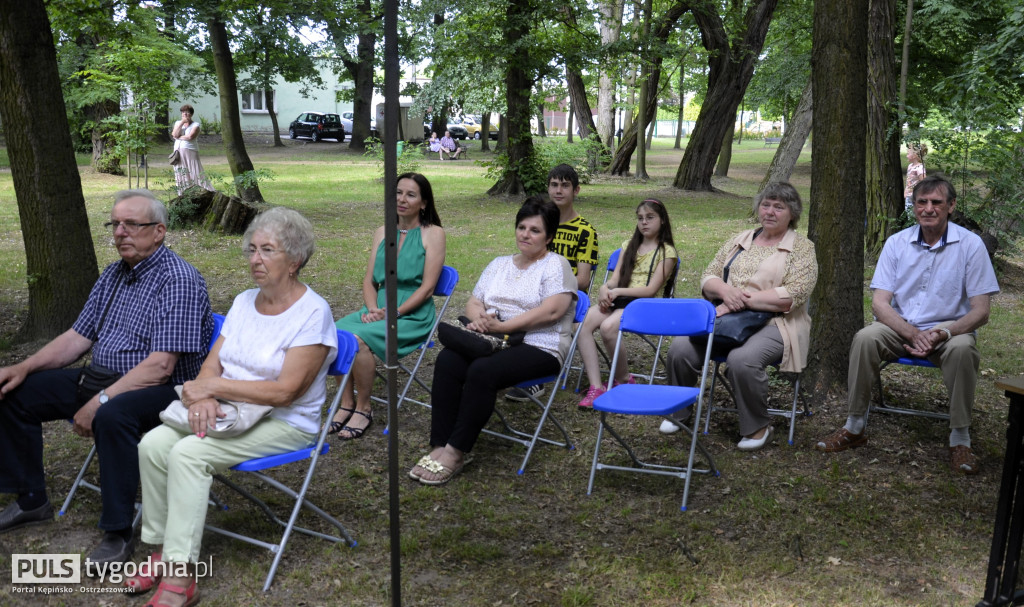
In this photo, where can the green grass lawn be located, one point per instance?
(886, 524)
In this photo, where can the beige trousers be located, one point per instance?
(958, 359)
(177, 471)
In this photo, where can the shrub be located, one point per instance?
(408, 161)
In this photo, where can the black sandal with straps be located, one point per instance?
(354, 433)
(338, 425)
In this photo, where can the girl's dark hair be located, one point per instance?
(187, 108)
(627, 259)
(534, 206)
(428, 214)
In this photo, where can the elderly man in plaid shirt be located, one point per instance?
(148, 324)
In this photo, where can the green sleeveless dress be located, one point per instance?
(413, 327)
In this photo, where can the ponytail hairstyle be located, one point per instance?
(627, 259)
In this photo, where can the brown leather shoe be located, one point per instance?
(840, 440)
(963, 460)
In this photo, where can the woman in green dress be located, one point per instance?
(421, 246)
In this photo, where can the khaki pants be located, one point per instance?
(958, 359)
(177, 471)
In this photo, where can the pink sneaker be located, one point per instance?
(592, 393)
(631, 381)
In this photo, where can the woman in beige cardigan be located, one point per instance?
(771, 268)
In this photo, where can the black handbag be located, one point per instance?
(472, 344)
(732, 330)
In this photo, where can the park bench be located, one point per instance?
(769, 141)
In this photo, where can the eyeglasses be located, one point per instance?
(129, 226)
(263, 252)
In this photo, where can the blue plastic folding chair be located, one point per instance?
(446, 284)
(787, 413)
(881, 407)
(341, 366)
(218, 324)
(531, 440)
(666, 317)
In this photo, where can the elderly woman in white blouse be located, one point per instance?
(531, 291)
(276, 345)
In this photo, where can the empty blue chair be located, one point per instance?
(665, 317)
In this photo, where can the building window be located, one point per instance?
(254, 101)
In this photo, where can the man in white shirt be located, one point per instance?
(931, 291)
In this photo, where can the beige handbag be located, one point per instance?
(240, 417)
(174, 158)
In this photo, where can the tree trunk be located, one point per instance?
(541, 131)
(646, 90)
(231, 126)
(682, 106)
(502, 143)
(627, 145)
(836, 222)
(584, 116)
(624, 153)
(271, 95)
(103, 158)
(725, 156)
(59, 258)
(213, 211)
(361, 70)
(641, 124)
(739, 138)
(611, 26)
(884, 179)
(730, 70)
(568, 124)
(518, 84)
(161, 117)
(362, 77)
(905, 64)
(793, 141)
(485, 132)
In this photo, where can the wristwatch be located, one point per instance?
(103, 397)
(949, 334)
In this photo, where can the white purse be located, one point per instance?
(240, 417)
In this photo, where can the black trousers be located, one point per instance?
(464, 390)
(117, 428)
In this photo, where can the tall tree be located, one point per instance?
(731, 59)
(884, 179)
(904, 64)
(611, 28)
(357, 22)
(267, 48)
(793, 140)
(666, 24)
(234, 144)
(60, 260)
(836, 222)
(519, 176)
(645, 90)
